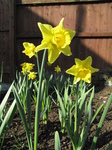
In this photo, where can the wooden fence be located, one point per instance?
(7, 38)
(92, 21)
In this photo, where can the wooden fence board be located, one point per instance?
(27, 2)
(85, 19)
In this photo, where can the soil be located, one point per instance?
(16, 139)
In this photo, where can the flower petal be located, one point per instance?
(53, 54)
(72, 33)
(78, 62)
(71, 70)
(60, 25)
(46, 31)
(43, 45)
(87, 61)
(87, 78)
(76, 79)
(93, 69)
(26, 44)
(66, 51)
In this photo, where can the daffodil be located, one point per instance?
(57, 69)
(29, 49)
(56, 40)
(82, 70)
(27, 67)
(32, 75)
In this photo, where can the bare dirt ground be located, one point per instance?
(16, 139)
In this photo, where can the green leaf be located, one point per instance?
(110, 147)
(28, 100)
(61, 104)
(1, 73)
(22, 114)
(70, 114)
(88, 113)
(96, 113)
(43, 112)
(57, 141)
(8, 117)
(101, 123)
(4, 101)
(65, 97)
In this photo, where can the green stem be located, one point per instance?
(73, 146)
(38, 104)
(75, 127)
(38, 64)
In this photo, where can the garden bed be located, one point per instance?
(16, 137)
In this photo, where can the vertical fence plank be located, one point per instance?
(7, 39)
(11, 39)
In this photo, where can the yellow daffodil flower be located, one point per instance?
(56, 40)
(32, 75)
(29, 49)
(82, 70)
(27, 67)
(57, 69)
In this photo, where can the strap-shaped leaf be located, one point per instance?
(22, 114)
(61, 104)
(4, 101)
(57, 141)
(8, 117)
(101, 123)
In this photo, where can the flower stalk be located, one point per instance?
(75, 116)
(39, 103)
